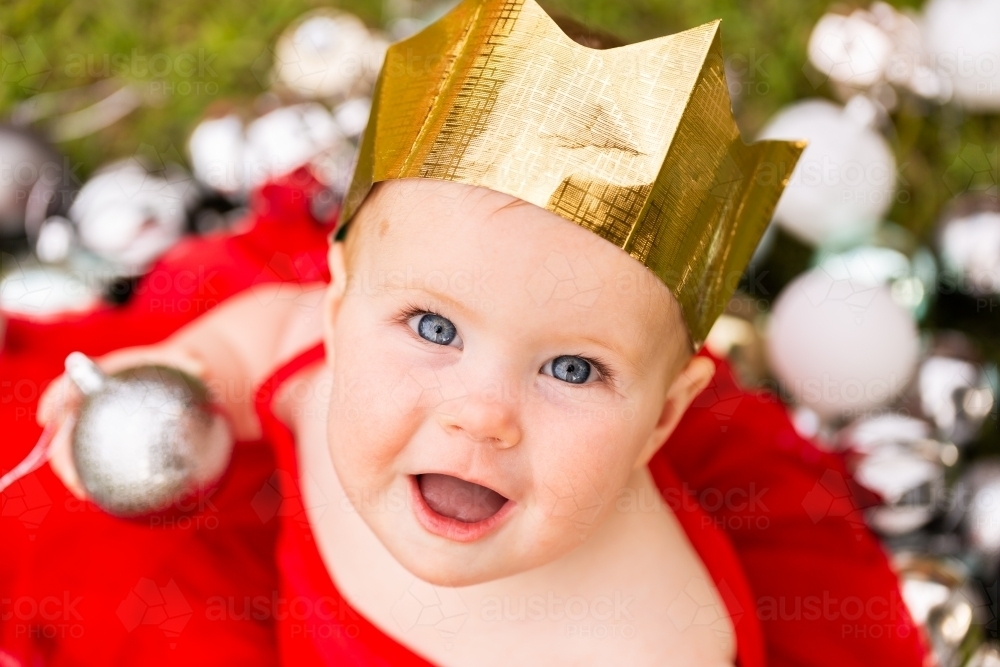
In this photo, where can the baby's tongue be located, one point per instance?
(457, 499)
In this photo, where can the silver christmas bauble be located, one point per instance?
(130, 215)
(145, 438)
(29, 290)
(977, 510)
(970, 248)
(328, 55)
(956, 395)
(895, 457)
(944, 602)
(31, 176)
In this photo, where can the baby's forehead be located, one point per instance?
(472, 238)
(400, 196)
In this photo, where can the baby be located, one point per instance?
(497, 373)
(470, 429)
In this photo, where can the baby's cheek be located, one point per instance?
(367, 428)
(579, 476)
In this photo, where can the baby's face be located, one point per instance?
(500, 374)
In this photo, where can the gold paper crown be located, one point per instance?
(637, 144)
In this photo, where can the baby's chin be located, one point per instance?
(455, 571)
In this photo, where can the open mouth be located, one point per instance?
(458, 509)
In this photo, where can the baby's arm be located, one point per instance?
(233, 349)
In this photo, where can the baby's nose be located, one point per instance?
(483, 419)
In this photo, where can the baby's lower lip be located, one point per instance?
(450, 527)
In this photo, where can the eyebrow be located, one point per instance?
(437, 296)
(619, 351)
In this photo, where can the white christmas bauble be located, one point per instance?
(326, 54)
(130, 216)
(352, 116)
(56, 238)
(979, 493)
(287, 138)
(970, 249)
(44, 292)
(963, 37)
(217, 149)
(839, 346)
(845, 179)
(850, 49)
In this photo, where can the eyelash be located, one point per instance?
(602, 367)
(409, 312)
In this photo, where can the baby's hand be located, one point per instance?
(60, 403)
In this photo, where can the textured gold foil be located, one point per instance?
(637, 143)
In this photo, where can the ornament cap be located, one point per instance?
(85, 374)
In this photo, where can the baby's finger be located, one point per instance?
(59, 398)
(61, 458)
(157, 355)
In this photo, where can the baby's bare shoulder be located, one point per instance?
(302, 314)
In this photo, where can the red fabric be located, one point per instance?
(80, 588)
(824, 590)
(348, 638)
(340, 635)
(782, 513)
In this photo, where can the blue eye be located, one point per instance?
(574, 370)
(436, 329)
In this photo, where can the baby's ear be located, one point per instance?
(336, 257)
(690, 382)
(335, 293)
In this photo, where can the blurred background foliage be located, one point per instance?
(218, 53)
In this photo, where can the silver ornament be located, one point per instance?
(56, 240)
(327, 55)
(217, 148)
(969, 244)
(941, 599)
(956, 395)
(129, 215)
(976, 510)
(875, 50)
(896, 458)
(145, 438)
(282, 140)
